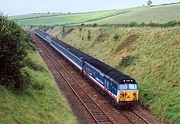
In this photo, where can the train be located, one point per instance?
(121, 88)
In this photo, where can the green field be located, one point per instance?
(33, 15)
(66, 18)
(157, 14)
(40, 103)
(150, 55)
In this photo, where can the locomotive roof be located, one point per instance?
(110, 71)
(63, 44)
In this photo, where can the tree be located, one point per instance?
(149, 2)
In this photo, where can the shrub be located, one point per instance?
(89, 35)
(133, 24)
(95, 24)
(14, 44)
(178, 22)
(126, 61)
(116, 37)
(34, 66)
(171, 24)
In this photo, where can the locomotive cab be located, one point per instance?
(127, 92)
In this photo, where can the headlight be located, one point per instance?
(134, 93)
(125, 93)
(122, 93)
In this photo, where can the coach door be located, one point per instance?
(107, 83)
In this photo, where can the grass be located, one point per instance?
(66, 18)
(41, 102)
(156, 14)
(150, 55)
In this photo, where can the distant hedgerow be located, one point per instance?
(135, 24)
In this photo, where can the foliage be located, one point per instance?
(14, 45)
(149, 2)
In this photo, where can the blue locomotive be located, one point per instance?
(120, 87)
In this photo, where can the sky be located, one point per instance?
(16, 7)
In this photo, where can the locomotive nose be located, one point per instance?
(128, 95)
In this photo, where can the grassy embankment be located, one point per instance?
(41, 102)
(150, 55)
(156, 14)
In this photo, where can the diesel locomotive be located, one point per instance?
(121, 88)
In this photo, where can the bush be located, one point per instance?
(95, 24)
(178, 22)
(116, 37)
(133, 24)
(126, 61)
(89, 35)
(14, 44)
(34, 66)
(171, 24)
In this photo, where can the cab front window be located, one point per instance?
(123, 87)
(132, 86)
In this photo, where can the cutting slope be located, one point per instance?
(150, 55)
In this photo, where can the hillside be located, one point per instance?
(157, 14)
(150, 55)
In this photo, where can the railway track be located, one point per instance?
(93, 109)
(135, 117)
(96, 112)
(146, 121)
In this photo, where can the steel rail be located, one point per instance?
(91, 113)
(141, 117)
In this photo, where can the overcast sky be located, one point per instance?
(15, 7)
